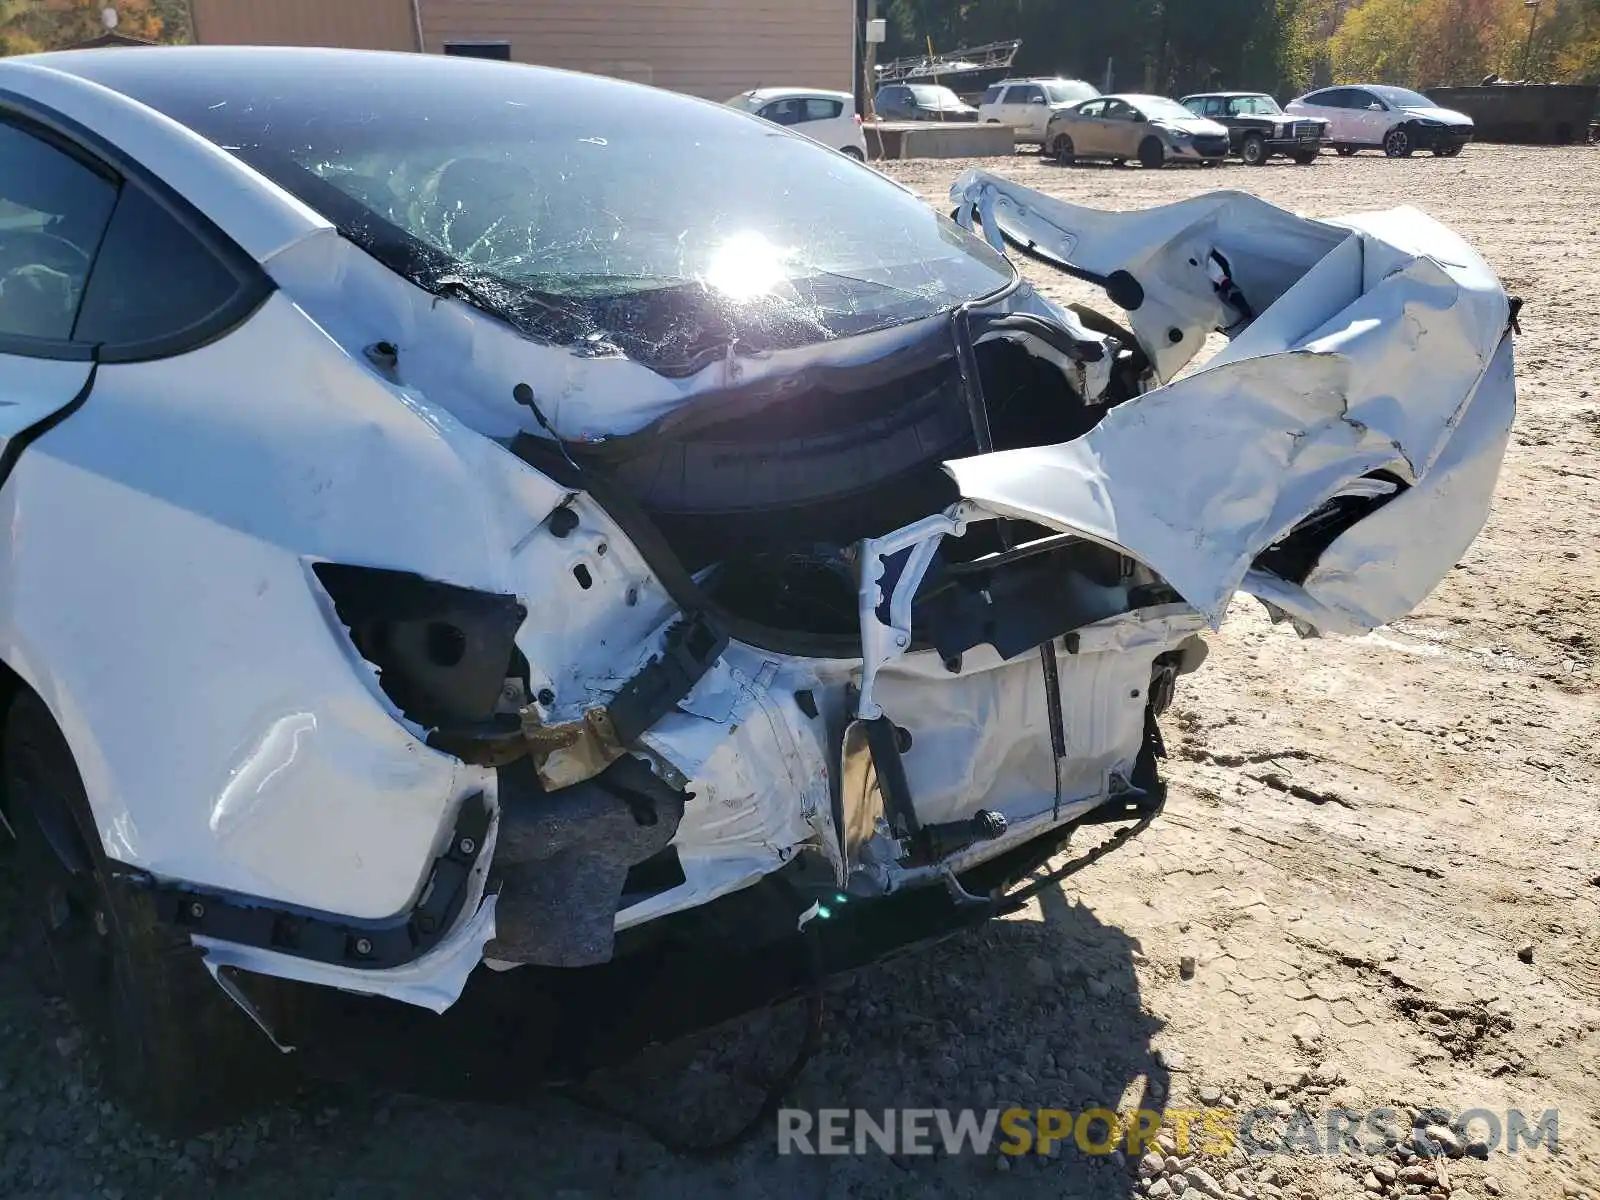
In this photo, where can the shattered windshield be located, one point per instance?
(577, 208)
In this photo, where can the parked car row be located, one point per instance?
(1069, 119)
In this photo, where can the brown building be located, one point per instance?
(709, 48)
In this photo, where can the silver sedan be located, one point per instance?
(1152, 129)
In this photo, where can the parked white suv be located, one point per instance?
(826, 117)
(1028, 104)
(1395, 120)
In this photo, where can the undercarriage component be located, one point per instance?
(563, 859)
(946, 837)
(883, 640)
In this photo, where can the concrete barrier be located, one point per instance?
(928, 139)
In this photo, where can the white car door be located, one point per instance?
(1329, 105)
(1354, 124)
(1086, 128)
(1004, 108)
(828, 121)
(53, 210)
(1370, 116)
(1030, 113)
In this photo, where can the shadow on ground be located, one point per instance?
(1040, 1012)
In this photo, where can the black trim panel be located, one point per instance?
(46, 348)
(329, 937)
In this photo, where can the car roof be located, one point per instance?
(1223, 95)
(1132, 97)
(786, 93)
(1039, 79)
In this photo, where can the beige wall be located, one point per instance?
(357, 24)
(710, 48)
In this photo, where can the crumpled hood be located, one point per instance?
(1377, 344)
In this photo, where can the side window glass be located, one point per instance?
(1095, 108)
(818, 109)
(153, 278)
(1032, 95)
(53, 211)
(992, 95)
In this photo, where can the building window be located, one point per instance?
(499, 51)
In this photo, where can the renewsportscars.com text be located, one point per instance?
(1206, 1131)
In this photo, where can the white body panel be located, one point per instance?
(1383, 344)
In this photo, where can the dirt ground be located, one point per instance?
(1382, 854)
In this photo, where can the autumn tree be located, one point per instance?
(1421, 43)
(31, 25)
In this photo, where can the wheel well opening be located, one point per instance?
(11, 686)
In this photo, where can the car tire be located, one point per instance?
(180, 1054)
(1306, 157)
(1399, 143)
(1345, 151)
(1152, 154)
(854, 152)
(1063, 150)
(1253, 150)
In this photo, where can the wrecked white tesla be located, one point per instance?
(464, 514)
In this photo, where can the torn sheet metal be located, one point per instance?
(1165, 251)
(1371, 351)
